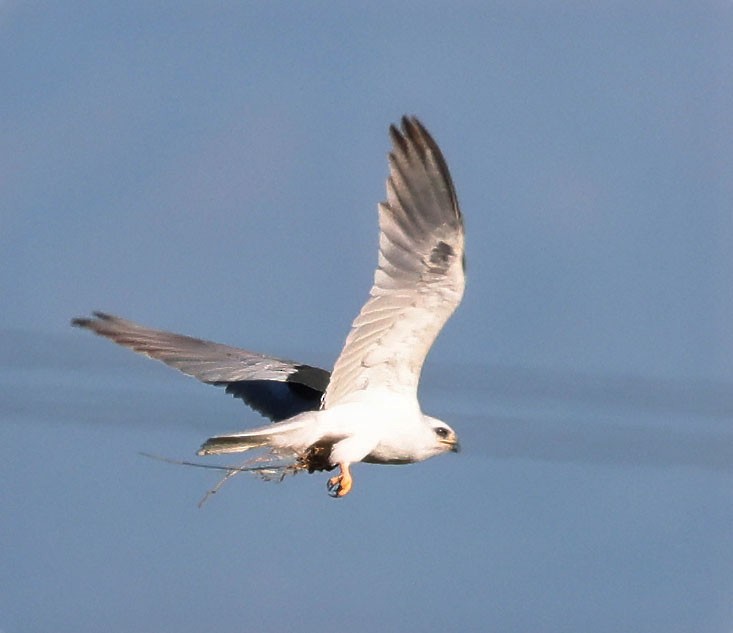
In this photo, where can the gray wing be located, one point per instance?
(276, 388)
(420, 277)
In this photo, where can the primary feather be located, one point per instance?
(420, 278)
(276, 388)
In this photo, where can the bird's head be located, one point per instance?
(444, 438)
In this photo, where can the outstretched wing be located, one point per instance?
(420, 277)
(276, 388)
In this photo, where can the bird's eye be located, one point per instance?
(441, 431)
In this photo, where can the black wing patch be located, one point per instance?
(441, 258)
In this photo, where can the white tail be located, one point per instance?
(260, 437)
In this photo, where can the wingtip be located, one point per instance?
(87, 322)
(410, 123)
(414, 138)
(410, 120)
(398, 139)
(81, 322)
(406, 127)
(411, 133)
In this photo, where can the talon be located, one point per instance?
(340, 485)
(334, 486)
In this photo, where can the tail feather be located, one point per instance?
(222, 444)
(253, 438)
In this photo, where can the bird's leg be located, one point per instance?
(340, 485)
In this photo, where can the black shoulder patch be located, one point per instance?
(275, 400)
(301, 391)
(313, 377)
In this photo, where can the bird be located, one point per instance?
(366, 409)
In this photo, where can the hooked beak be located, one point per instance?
(453, 445)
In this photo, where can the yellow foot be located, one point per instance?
(340, 485)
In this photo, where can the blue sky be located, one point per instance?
(214, 169)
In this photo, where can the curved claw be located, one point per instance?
(333, 486)
(340, 485)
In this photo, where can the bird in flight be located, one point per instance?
(366, 409)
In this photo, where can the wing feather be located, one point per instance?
(419, 279)
(274, 387)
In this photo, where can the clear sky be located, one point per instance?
(214, 169)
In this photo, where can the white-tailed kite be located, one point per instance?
(367, 409)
